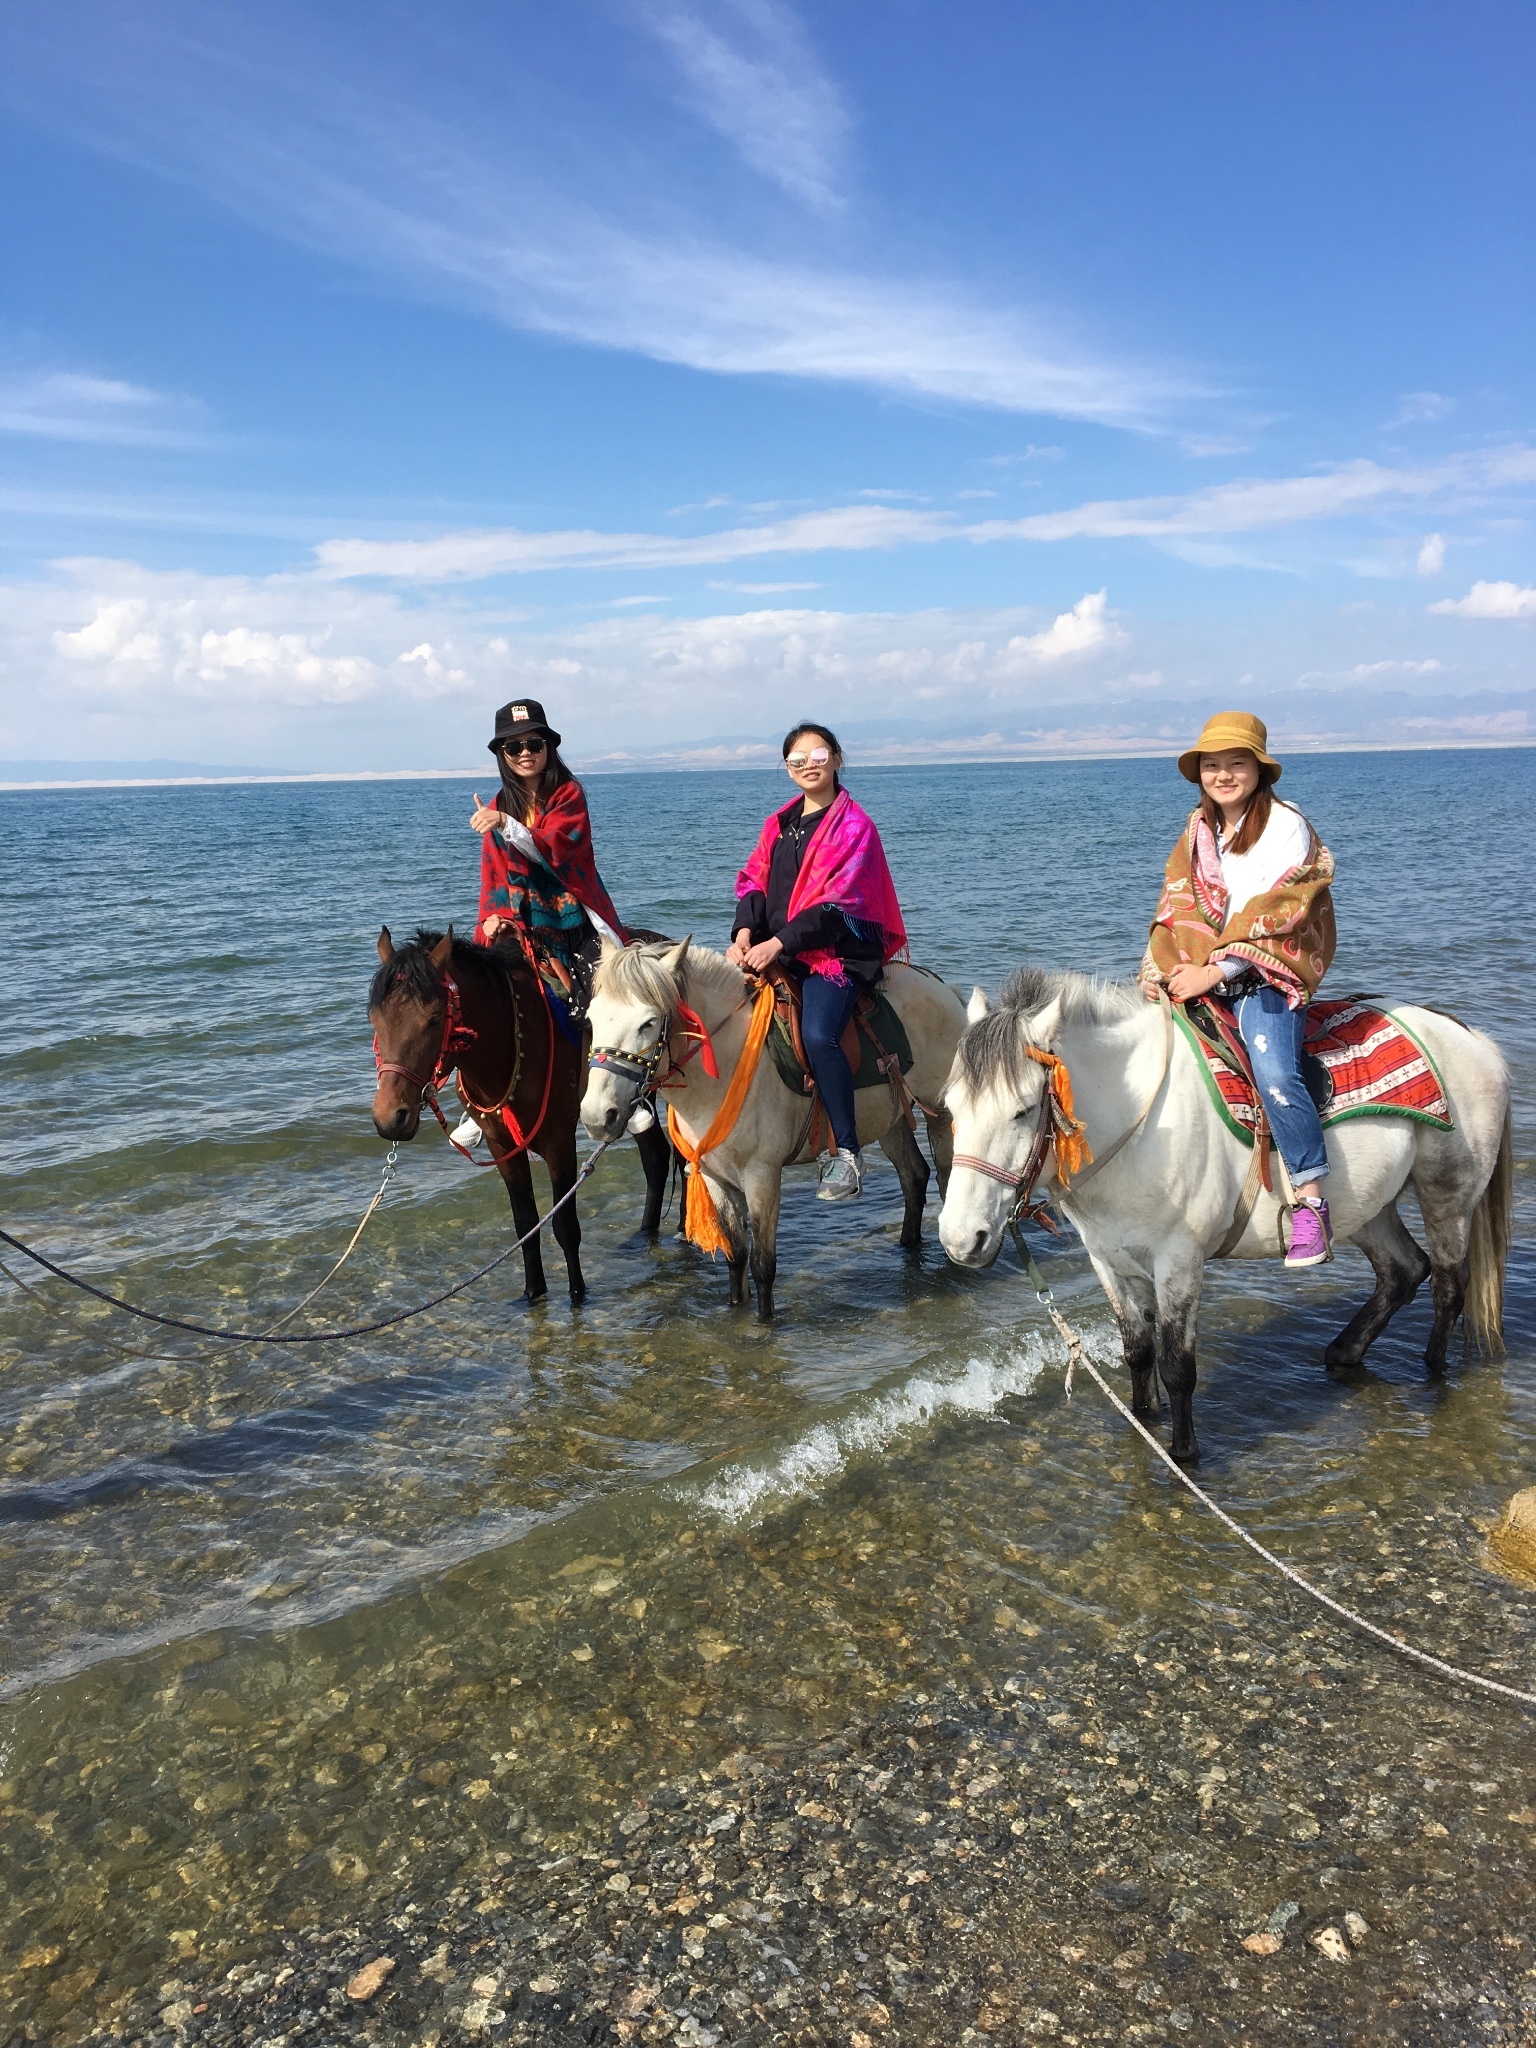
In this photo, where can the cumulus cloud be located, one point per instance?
(1491, 601)
(114, 635)
(750, 72)
(1431, 556)
(1079, 631)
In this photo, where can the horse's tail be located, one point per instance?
(1489, 1248)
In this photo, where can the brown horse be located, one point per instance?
(440, 1004)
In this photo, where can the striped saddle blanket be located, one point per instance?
(1360, 1060)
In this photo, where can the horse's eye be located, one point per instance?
(1021, 1116)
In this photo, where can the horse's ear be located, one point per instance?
(977, 1007)
(442, 952)
(386, 945)
(675, 961)
(1045, 1027)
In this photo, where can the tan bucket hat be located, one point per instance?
(1230, 729)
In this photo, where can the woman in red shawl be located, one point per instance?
(817, 896)
(538, 879)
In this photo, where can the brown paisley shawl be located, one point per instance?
(1287, 935)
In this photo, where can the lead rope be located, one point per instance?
(1077, 1355)
(95, 1336)
(403, 1315)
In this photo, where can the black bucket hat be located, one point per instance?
(522, 715)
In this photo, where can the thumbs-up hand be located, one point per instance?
(484, 816)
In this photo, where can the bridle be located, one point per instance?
(457, 1038)
(1060, 1130)
(1057, 1131)
(642, 1069)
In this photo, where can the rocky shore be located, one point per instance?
(1072, 1856)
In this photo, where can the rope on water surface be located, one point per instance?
(95, 1336)
(403, 1315)
(1077, 1356)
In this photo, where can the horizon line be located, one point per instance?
(237, 778)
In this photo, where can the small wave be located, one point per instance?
(745, 1492)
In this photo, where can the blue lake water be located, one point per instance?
(243, 1593)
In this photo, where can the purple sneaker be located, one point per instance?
(1311, 1235)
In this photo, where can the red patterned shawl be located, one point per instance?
(562, 831)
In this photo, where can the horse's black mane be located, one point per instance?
(409, 969)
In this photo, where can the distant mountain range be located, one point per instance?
(118, 771)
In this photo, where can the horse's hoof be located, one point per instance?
(1185, 1454)
(1147, 1411)
(578, 1296)
(1341, 1362)
(531, 1297)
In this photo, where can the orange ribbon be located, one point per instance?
(701, 1219)
(1071, 1145)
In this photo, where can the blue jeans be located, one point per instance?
(826, 1007)
(1273, 1035)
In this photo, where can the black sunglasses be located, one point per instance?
(521, 746)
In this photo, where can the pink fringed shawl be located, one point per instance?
(845, 866)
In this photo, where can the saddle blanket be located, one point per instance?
(1370, 1065)
(871, 1032)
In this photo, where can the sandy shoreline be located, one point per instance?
(1072, 1857)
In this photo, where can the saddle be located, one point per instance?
(1219, 1035)
(875, 1042)
(1358, 1060)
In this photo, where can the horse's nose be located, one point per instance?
(399, 1124)
(966, 1250)
(601, 1119)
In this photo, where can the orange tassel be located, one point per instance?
(701, 1219)
(1071, 1145)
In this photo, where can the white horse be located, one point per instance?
(634, 1015)
(1168, 1199)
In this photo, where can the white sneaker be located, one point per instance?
(841, 1177)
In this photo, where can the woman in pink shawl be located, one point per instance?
(818, 897)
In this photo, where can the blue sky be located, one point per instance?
(992, 377)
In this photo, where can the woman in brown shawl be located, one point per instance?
(1246, 919)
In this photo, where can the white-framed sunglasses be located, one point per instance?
(818, 757)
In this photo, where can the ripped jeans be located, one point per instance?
(1273, 1035)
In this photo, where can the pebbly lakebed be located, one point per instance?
(312, 1661)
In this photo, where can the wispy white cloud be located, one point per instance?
(750, 72)
(1370, 671)
(63, 405)
(762, 589)
(1186, 522)
(509, 550)
(1491, 601)
(1418, 406)
(1430, 559)
(535, 219)
(1251, 504)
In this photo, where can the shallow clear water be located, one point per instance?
(283, 1633)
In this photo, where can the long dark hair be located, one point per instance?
(822, 732)
(517, 801)
(1255, 818)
